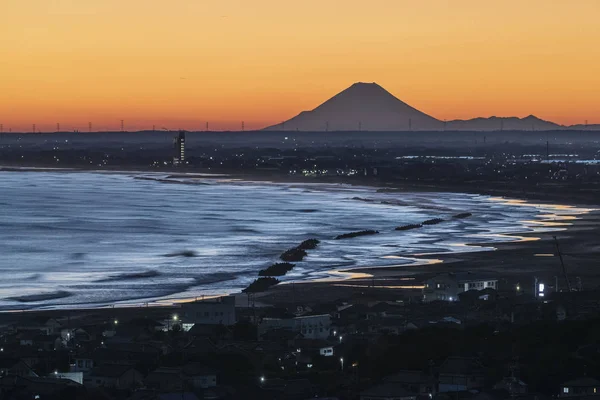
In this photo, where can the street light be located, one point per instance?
(175, 317)
(340, 339)
(342, 362)
(116, 321)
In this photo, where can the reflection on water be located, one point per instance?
(102, 238)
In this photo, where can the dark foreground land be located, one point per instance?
(370, 337)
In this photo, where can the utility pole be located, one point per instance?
(562, 264)
(206, 126)
(57, 127)
(122, 125)
(242, 126)
(90, 127)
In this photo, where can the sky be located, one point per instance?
(180, 63)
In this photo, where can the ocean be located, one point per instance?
(87, 239)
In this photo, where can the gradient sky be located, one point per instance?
(180, 63)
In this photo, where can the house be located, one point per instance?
(82, 363)
(461, 373)
(512, 385)
(314, 346)
(201, 346)
(41, 388)
(165, 379)
(115, 377)
(15, 367)
(447, 287)
(388, 391)
(580, 387)
(200, 376)
(418, 382)
(47, 326)
(47, 342)
(26, 338)
(220, 311)
(310, 326)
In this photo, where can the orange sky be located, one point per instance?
(179, 63)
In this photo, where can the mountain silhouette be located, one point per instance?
(369, 107)
(502, 123)
(363, 106)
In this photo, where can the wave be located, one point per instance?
(183, 253)
(402, 203)
(167, 180)
(245, 230)
(217, 277)
(131, 276)
(59, 294)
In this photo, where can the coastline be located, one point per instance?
(501, 260)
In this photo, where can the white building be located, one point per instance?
(447, 287)
(220, 311)
(310, 326)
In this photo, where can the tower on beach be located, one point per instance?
(179, 144)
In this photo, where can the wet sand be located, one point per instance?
(514, 262)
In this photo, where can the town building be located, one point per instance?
(580, 387)
(461, 373)
(447, 287)
(310, 326)
(220, 311)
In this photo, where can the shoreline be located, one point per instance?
(426, 264)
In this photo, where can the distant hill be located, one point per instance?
(369, 107)
(530, 123)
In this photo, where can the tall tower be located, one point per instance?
(179, 144)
